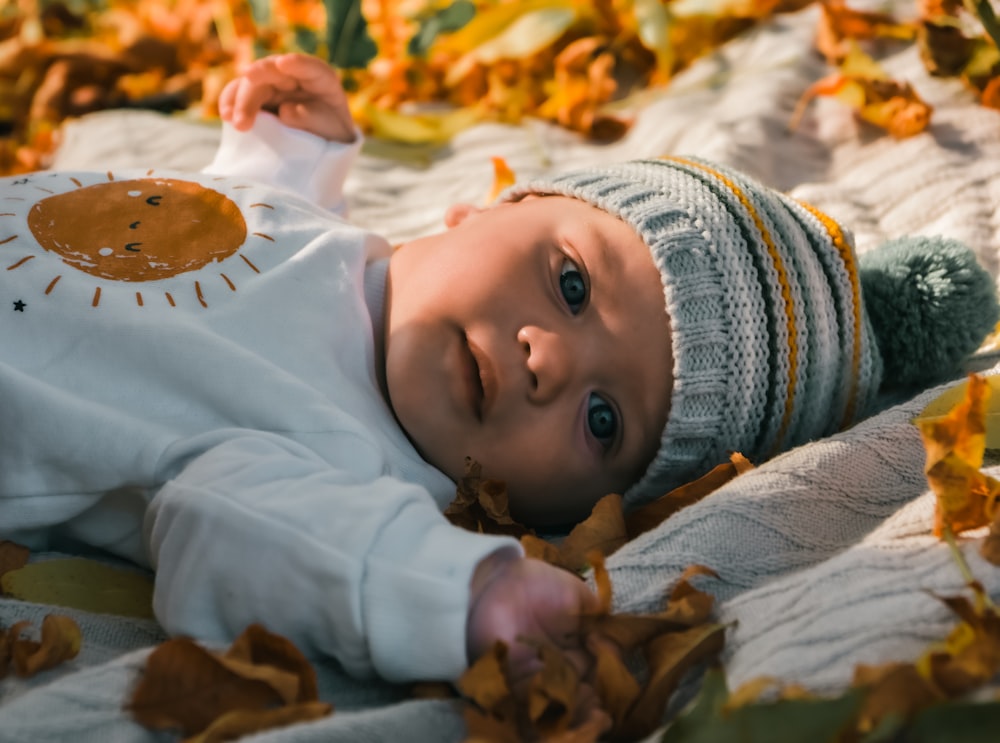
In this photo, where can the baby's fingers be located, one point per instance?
(311, 74)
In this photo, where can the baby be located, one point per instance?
(213, 375)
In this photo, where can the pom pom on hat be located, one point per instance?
(930, 305)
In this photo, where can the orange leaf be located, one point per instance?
(955, 442)
(485, 681)
(552, 693)
(863, 86)
(541, 549)
(256, 645)
(614, 683)
(603, 532)
(503, 178)
(652, 514)
(602, 581)
(60, 642)
(186, 687)
(838, 24)
(240, 722)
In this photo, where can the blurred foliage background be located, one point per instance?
(418, 71)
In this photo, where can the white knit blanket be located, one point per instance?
(824, 553)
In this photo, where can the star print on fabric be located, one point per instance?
(19, 306)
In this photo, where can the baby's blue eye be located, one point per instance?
(572, 286)
(601, 419)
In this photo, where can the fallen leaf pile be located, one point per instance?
(557, 704)
(261, 682)
(927, 700)
(418, 71)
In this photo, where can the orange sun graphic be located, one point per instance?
(138, 230)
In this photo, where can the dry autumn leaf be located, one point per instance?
(59, 642)
(608, 527)
(481, 506)
(652, 514)
(840, 25)
(84, 584)
(503, 178)
(558, 704)
(955, 443)
(262, 681)
(862, 85)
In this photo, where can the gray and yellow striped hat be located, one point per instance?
(780, 334)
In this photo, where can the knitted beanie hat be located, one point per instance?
(773, 344)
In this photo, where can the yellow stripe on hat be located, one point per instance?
(786, 289)
(851, 266)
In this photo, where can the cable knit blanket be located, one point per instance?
(825, 553)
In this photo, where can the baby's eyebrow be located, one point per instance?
(604, 260)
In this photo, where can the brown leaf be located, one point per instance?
(944, 49)
(552, 693)
(838, 24)
(971, 654)
(613, 682)
(60, 642)
(13, 556)
(240, 722)
(481, 505)
(257, 646)
(186, 687)
(990, 548)
(485, 681)
(603, 532)
(669, 657)
(895, 689)
(653, 514)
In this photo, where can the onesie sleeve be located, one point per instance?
(260, 529)
(291, 159)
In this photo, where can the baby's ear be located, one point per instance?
(458, 213)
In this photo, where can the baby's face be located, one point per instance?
(532, 337)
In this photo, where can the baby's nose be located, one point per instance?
(549, 363)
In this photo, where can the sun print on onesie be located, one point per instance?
(142, 231)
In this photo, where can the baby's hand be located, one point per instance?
(527, 598)
(304, 92)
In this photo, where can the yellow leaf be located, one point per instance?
(653, 23)
(495, 21)
(82, 584)
(944, 402)
(420, 128)
(965, 497)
